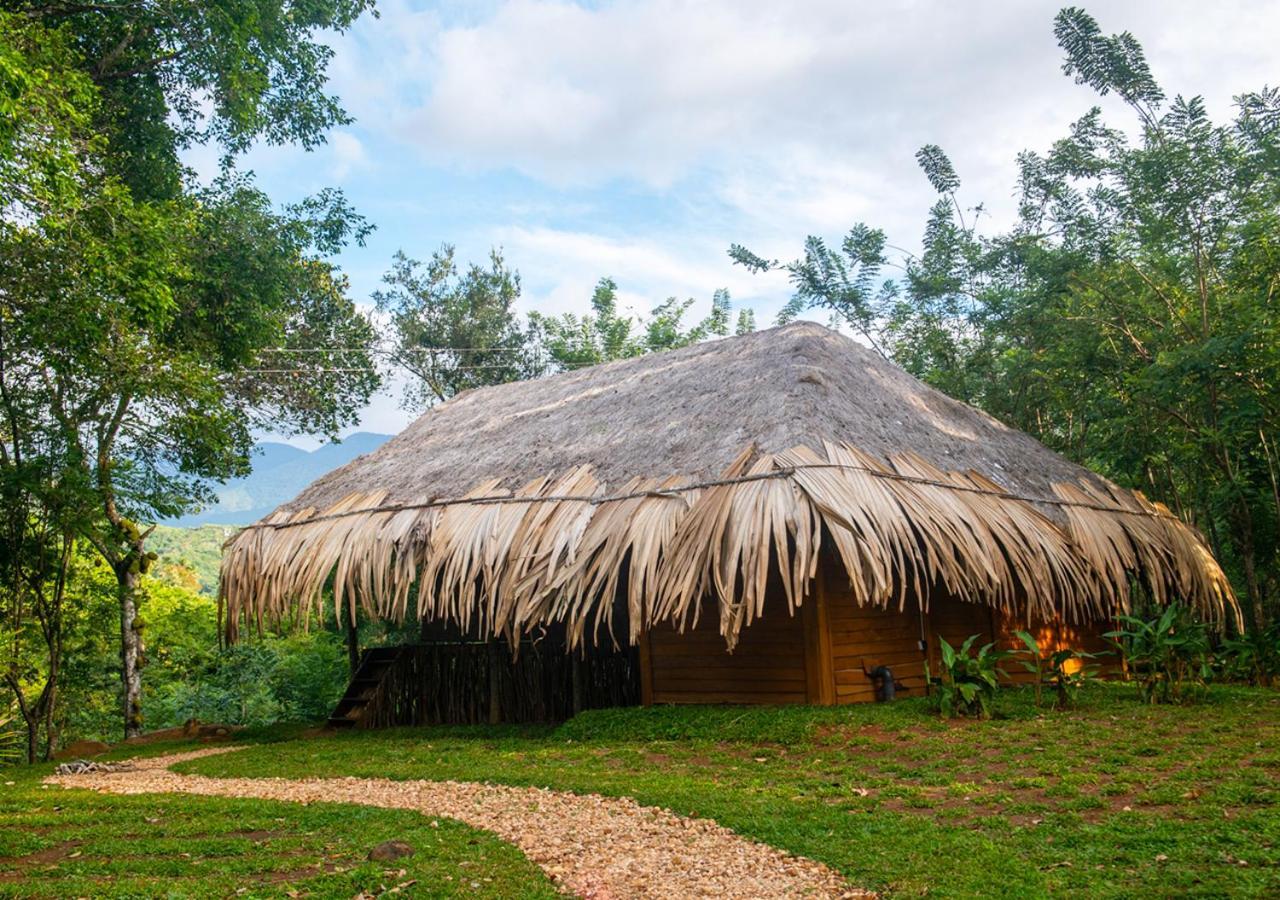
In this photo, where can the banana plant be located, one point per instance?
(968, 681)
(1050, 670)
(1165, 654)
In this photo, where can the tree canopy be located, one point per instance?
(148, 322)
(1129, 316)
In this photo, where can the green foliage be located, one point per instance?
(1253, 657)
(845, 281)
(600, 336)
(604, 335)
(256, 682)
(143, 315)
(1056, 670)
(1168, 655)
(190, 557)
(1126, 319)
(968, 681)
(260, 681)
(173, 74)
(453, 330)
(11, 749)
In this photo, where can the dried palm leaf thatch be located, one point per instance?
(563, 550)
(688, 481)
(1146, 541)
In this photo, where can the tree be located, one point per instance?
(1129, 317)
(451, 330)
(572, 342)
(599, 336)
(46, 154)
(158, 321)
(174, 73)
(845, 282)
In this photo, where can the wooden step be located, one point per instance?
(374, 665)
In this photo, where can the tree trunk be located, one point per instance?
(30, 717)
(130, 649)
(1248, 557)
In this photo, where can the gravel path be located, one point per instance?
(592, 846)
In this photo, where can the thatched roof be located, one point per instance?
(673, 475)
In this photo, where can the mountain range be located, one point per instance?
(280, 472)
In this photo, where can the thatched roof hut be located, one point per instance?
(700, 481)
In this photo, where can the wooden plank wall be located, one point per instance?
(767, 666)
(955, 621)
(818, 655)
(870, 636)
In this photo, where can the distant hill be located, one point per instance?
(280, 472)
(189, 557)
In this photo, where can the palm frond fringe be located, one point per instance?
(902, 529)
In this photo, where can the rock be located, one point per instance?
(78, 749)
(390, 851)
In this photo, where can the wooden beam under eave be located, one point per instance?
(646, 670)
(819, 663)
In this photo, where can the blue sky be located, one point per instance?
(639, 139)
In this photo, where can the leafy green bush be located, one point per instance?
(1051, 670)
(258, 682)
(1168, 655)
(968, 681)
(11, 749)
(1253, 657)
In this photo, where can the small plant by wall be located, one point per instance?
(968, 681)
(1064, 671)
(1168, 655)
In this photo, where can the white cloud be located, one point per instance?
(732, 120)
(346, 154)
(657, 90)
(568, 265)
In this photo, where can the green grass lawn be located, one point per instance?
(1114, 798)
(58, 843)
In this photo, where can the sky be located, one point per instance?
(639, 139)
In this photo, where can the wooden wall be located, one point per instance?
(871, 637)
(817, 656)
(767, 666)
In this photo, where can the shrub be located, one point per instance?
(11, 740)
(1052, 670)
(1253, 657)
(258, 682)
(1167, 655)
(968, 681)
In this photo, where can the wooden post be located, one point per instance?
(930, 638)
(494, 652)
(646, 670)
(575, 675)
(353, 642)
(819, 663)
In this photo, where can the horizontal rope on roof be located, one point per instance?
(560, 549)
(786, 472)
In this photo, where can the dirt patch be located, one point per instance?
(256, 836)
(40, 859)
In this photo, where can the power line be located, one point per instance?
(554, 367)
(392, 350)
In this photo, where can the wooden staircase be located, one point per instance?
(374, 665)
